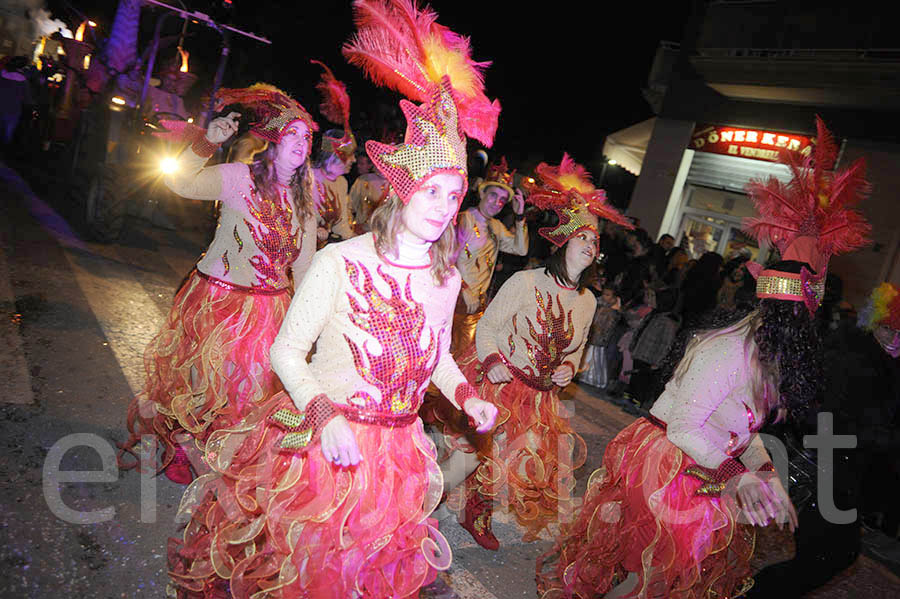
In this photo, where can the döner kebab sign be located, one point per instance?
(748, 143)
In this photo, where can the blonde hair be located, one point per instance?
(764, 379)
(386, 225)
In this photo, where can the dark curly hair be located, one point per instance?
(788, 347)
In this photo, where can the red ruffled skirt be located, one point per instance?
(290, 526)
(530, 461)
(641, 515)
(207, 366)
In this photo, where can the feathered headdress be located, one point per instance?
(403, 47)
(335, 107)
(499, 175)
(567, 190)
(272, 109)
(809, 220)
(882, 309)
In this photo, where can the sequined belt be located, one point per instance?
(241, 288)
(655, 421)
(378, 419)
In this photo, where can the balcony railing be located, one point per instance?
(817, 54)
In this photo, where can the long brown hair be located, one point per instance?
(266, 180)
(385, 225)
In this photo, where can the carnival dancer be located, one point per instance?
(527, 347)
(325, 490)
(210, 362)
(670, 513)
(368, 192)
(481, 238)
(336, 155)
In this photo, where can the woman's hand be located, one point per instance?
(482, 413)
(762, 500)
(321, 233)
(563, 375)
(499, 373)
(338, 443)
(223, 127)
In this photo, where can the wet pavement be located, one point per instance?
(76, 317)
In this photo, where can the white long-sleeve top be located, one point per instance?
(533, 325)
(710, 413)
(479, 251)
(381, 332)
(256, 241)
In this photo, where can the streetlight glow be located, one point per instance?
(613, 162)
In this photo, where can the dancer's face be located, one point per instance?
(432, 207)
(581, 250)
(293, 149)
(493, 198)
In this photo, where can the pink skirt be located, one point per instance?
(292, 525)
(641, 515)
(221, 335)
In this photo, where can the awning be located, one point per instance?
(628, 146)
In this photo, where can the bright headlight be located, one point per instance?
(168, 165)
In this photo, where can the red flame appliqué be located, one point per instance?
(275, 237)
(556, 333)
(397, 323)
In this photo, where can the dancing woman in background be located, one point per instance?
(528, 346)
(671, 512)
(210, 362)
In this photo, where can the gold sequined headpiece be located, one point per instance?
(433, 144)
(809, 220)
(567, 190)
(273, 110)
(499, 175)
(403, 47)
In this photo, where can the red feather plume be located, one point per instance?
(401, 46)
(815, 203)
(335, 104)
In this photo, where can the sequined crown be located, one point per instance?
(568, 191)
(433, 144)
(499, 175)
(340, 142)
(273, 110)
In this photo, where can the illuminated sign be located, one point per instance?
(748, 143)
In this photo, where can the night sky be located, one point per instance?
(566, 73)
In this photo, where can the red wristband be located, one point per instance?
(767, 467)
(465, 392)
(714, 480)
(304, 428)
(491, 361)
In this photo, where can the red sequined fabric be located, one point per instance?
(275, 236)
(715, 479)
(305, 427)
(464, 392)
(401, 368)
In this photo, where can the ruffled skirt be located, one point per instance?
(267, 523)
(640, 514)
(207, 366)
(529, 462)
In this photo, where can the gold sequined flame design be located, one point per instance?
(555, 335)
(397, 322)
(297, 436)
(275, 237)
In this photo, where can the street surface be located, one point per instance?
(74, 320)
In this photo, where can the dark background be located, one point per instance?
(567, 73)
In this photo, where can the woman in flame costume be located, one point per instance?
(326, 489)
(671, 512)
(210, 362)
(527, 346)
(337, 154)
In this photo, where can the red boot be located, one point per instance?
(179, 470)
(478, 512)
